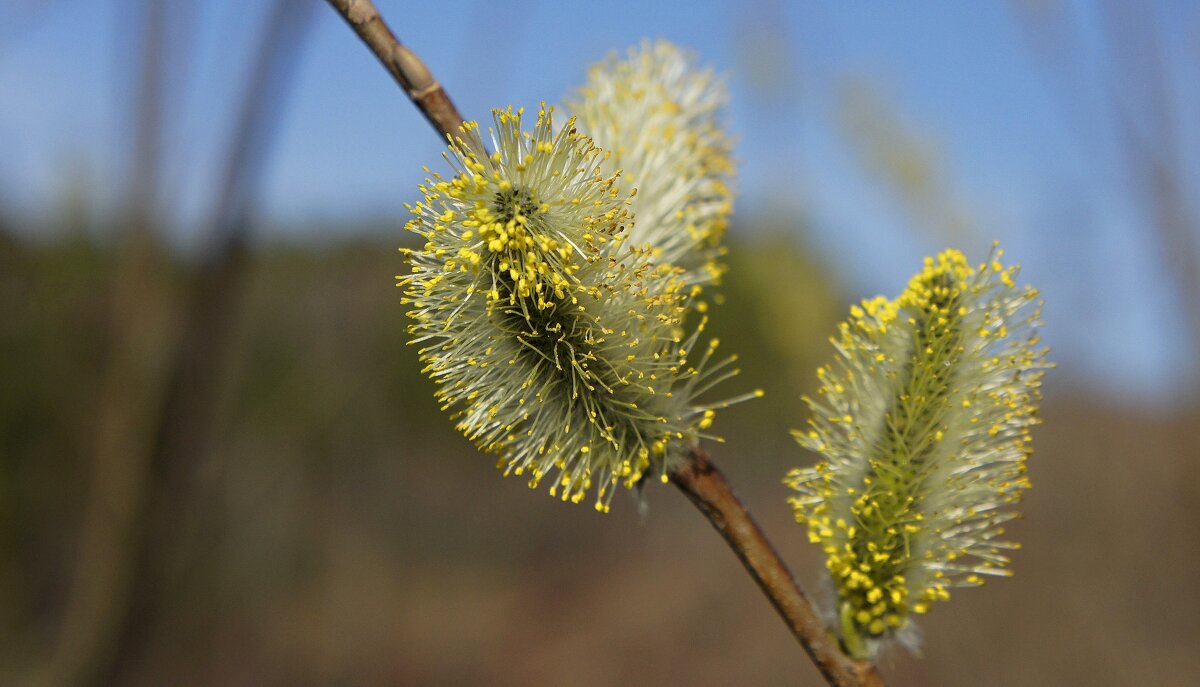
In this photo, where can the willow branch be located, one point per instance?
(711, 493)
(403, 64)
(699, 479)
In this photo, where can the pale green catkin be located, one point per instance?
(923, 421)
(558, 344)
(660, 115)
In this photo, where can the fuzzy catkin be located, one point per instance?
(923, 423)
(557, 343)
(660, 114)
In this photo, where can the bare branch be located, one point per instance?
(403, 64)
(709, 491)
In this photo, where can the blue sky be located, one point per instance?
(1031, 161)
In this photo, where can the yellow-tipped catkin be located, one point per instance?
(923, 422)
(556, 344)
(659, 114)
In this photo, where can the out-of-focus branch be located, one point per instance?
(148, 458)
(905, 162)
(1143, 111)
(1153, 150)
(201, 354)
(128, 406)
(403, 64)
(708, 490)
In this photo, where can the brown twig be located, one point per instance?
(699, 479)
(708, 489)
(403, 64)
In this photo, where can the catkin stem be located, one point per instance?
(699, 479)
(711, 493)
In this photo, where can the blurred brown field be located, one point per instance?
(340, 532)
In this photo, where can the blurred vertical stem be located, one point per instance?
(1145, 112)
(698, 479)
(156, 426)
(201, 353)
(128, 404)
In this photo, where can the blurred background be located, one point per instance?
(219, 464)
